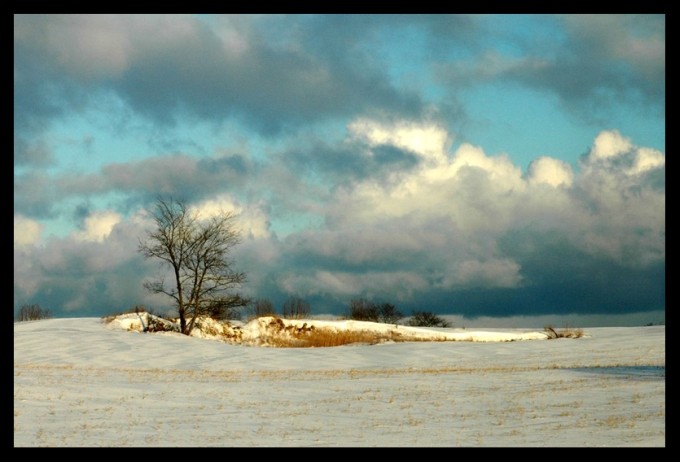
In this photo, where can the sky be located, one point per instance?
(476, 165)
(133, 389)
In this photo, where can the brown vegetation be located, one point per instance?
(567, 332)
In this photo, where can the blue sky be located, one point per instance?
(477, 165)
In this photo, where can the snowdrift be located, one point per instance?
(275, 331)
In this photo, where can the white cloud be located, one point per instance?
(470, 186)
(26, 231)
(647, 159)
(550, 171)
(251, 220)
(98, 226)
(606, 210)
(429, 140)
(631, 160)
(628, 223)
(610, 143)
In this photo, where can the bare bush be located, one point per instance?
(225, 308)
(364, 310)
(296, 308)
(427, 319)
(263, 307)
(33, 313)
(389, 314)
(567, 332)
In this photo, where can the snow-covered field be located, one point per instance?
(80, 382)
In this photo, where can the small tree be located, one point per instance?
(389, 313)
(363, 310)
(296, 308)
(197, 251)
(226, 307)
(263, 307)
(33, 313)
(427, 319)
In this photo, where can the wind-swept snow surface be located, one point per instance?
(81, 382)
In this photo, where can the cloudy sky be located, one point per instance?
(483, 165)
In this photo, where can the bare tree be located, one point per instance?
(428, 319)
(389, 313)
(263, 307)
(361, 309)
(364, 310)
(197, 252)
(296, 308)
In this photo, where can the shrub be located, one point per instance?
(363, 310)
(296, 308)
(427, 319)
(33, 313)
(567, 332)
(263, 307)
(225, 308)
(389, 314)
(158, 324)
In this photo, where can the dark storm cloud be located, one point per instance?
(350, 161)
(35, 194)
(560, 277)
(604, 60)
(341, 36)
(164, 67)
(272, 89)
(34, 106)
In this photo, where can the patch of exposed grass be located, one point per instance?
(326, 337)
(309, 337)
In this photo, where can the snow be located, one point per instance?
(84, 382)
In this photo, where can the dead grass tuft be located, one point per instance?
(567, 332)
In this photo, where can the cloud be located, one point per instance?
(638, 40)
(458, 230)
(178, 175)
(164, 67)
(393, 206)
(426, 139)
(608, 144)
(466, 220)
(473, 273)
(91, 272)
(399, 284)
(251, 220)
(620, 60)
(26, 231)
(549, 171)
(98, 226)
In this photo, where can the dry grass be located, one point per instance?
(567, 332)
(327, 337)
(310, 336)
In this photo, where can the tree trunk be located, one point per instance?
(182, 322)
